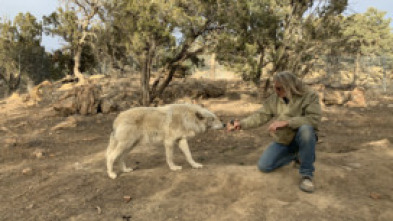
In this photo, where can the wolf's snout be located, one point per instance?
(218, 125)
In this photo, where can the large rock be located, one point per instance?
(192, 88)
(334, 97)
(83, 99)
(358, 98)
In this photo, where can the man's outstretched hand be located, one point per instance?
(233, 125)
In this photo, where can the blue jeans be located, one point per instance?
(302, 146)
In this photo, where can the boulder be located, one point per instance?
(334, 97)
(358, 98)
(83, 99)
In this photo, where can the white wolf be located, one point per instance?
(171, 124)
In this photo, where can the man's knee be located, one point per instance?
(306, 132)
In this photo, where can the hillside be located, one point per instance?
(57, 172)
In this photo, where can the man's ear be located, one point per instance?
(199, 116)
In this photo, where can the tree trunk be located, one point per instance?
(147, 62)
(12, 83)
(213, 66)
(357, 72)
(88, 16)
(77, 62)
(258, 75)
(384, 83)
(167, 80)
(145, 80)
(12, 80)
(168, 72)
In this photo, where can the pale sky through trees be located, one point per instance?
(10, 8)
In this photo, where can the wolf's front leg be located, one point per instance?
(169, 156)
(183, 145)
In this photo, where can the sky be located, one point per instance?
(39, 8)
(11, 8)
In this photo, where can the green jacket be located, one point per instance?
(301, 110)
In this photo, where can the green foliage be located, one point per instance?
(243, 46)
(63, 24)
(368, 33)
(275, 35)
(172, 33)
(61, 64)
(74, 23)
(21, 53)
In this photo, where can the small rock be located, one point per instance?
(70, 122)
(27, 171)
(78, 166)
(10, 141)
(347, 168)
(99, 211)
(127, 198)
(375, 196)
(390, 106)
(39, 153)
(6, 130)
(373, 103)
(354, 165)
(30, 206)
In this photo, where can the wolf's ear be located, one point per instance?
(199, 116)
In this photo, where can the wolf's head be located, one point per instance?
(211, 120)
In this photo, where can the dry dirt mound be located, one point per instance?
(53, 168)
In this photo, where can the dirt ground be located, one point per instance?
(60, 174)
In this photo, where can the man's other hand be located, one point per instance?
(273, 127)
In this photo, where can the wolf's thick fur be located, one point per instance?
(169, 125)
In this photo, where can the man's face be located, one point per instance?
(279, 90)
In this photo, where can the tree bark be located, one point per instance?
(145, 80)
(258, 75)
(88, 15)
(146, 73)
(77, 61)
(170, 69)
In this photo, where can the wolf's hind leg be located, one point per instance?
(110, 156)
(122, 163)
(127, 147)
(114, 155)
(183, 145)
(110, 160)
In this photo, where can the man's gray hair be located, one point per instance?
(290, 83)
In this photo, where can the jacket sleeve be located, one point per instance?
(311, 113)
(260, 117)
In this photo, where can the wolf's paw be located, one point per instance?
(127, 170)
(175, 168)
(112, 175)
(197, 166)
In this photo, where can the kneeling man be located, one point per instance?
(296, 112)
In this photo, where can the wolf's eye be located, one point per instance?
(199, 116)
